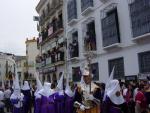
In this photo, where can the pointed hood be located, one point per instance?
(16, 86)
(16, 81)
(26, 86)
(68, 90)
(60, 84)
(46, 90)
(38, 82)
(112, 88)
(107, 83)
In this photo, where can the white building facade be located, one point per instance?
(21, 62)
(109, 33)
(7, 68)
(31, 53)
(51, 59)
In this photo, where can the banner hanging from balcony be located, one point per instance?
(50, 30)
(40, 39)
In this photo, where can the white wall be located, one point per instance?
(129, 49)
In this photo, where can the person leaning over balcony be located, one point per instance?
(87, 41)
(75, 48)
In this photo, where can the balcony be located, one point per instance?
(49, 14)
(140, 19)
(110, 30)
(72, 22)
(73, 50)
(115, 45)
(54, 32)
(89, 37)
(48, 61)
(104, 1)
(38, 65)
(87, 6)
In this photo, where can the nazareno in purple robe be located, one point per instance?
(68, 104)
(15, 109)
(59, 103)
(37, 105)
(109, 107)
(47, 104)
(27, 103)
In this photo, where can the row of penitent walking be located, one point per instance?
(86, 96)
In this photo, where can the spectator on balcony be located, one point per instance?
(71, 50)
(75, 47)
(49, 53)
(87, 41)
(92, 40)
(53, 55)
(57, 53)
(60, 53)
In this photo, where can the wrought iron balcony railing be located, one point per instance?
(110, 29)
(140, 17)
(85, 4)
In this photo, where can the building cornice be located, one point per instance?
(31, 40)
(40, 4)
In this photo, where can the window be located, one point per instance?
(110, 28)
(140, 17)
(76, 74)
(144, 62)
(119, 67)
(85, 4)
(90, 38)
(43, 13)
(48, 78)
(43, 78)
(48, 7)
(72, 10)
(73, 45)
(95, 71)
(60, 21)
(54, 24)
(19, 75)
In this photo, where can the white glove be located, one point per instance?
(82, 107)
(38, 96)
(91, 97)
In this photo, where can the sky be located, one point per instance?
(16, 24)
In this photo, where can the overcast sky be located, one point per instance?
(16, 24)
